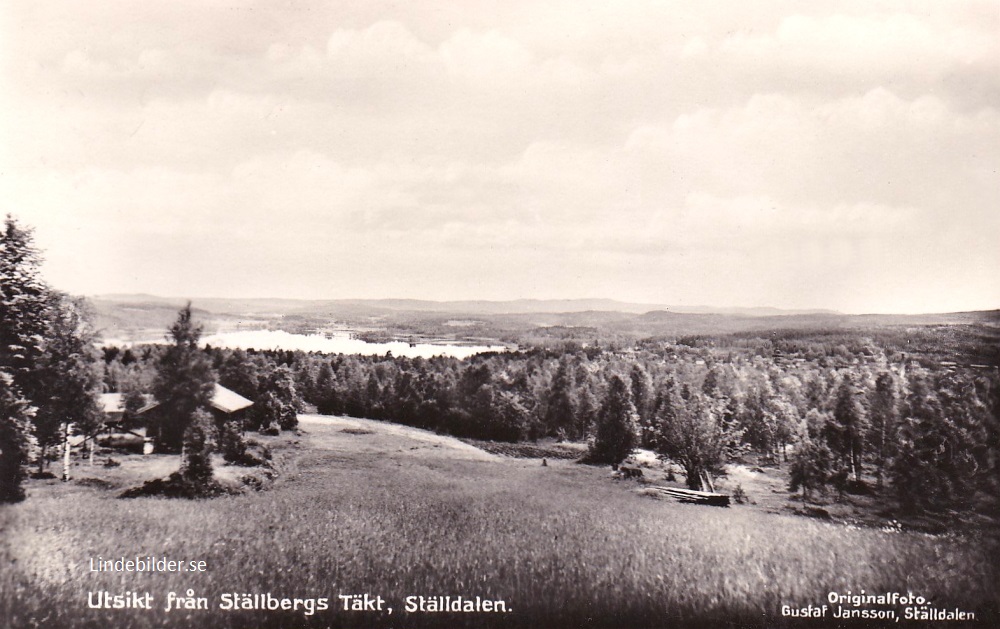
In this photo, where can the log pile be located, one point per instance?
(694, 497)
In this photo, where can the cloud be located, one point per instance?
(610, 145)
(850, 42)
(871, 148)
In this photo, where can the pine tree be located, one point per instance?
(24, 305)
(13, 440)
(884, 422)
(561, 409)
(851, 419)
(617, 425)
(196, 466)
(642, 394)
(184, 381)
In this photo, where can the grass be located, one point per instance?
(377, 512)
(546, 450)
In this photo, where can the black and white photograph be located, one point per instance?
(582, 314)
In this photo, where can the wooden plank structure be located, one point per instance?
(694, 497)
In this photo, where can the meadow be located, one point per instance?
(399, 512)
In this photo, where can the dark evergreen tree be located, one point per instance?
(281, 384)
(617, 425)
(850, 427)
(24, 305)
(884, 422)
(13, 440)
(642, 392)
(196, 465)
(240, 374)
(561, 405)
(184, 381)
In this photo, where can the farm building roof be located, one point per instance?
(228, 401)
(113, 403)
(223, 400)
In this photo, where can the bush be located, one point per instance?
(196, 468)
(177, 486)
(231, 443)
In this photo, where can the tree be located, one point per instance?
(617, 425)
(561, 408)
(67, 377)
(13, 440)
(196, 465)
(46, 346)
(942, 452)
(811, 467)
(326, 382)
(133, 401)
(184, 381)
(278, 405)
(24, 305)
(884, 421)
(690, 431)
(240, 374)
(850, 426)
(23, 310)
(642, 394)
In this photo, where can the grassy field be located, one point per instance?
(362, 507)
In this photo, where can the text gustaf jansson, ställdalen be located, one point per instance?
(882, 607)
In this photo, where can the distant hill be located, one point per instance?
(146, 317)
(517, 306)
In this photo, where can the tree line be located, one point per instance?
(928, 436)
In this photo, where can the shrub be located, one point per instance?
(231, 443)
(196, 467)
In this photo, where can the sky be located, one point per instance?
(839, 155)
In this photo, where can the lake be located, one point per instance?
(339, 343)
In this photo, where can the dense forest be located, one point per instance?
(844, 412)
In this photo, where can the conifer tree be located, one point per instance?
(851, 426)
(617, 425)
(884, 422)
(13, 440)
(184, 381)
(196, 465)
(24, 305)
(561, 408)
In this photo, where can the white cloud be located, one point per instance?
(852, 42)
(613, 145)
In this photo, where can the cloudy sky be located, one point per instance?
(830, 155)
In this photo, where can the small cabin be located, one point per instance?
(226, 405)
